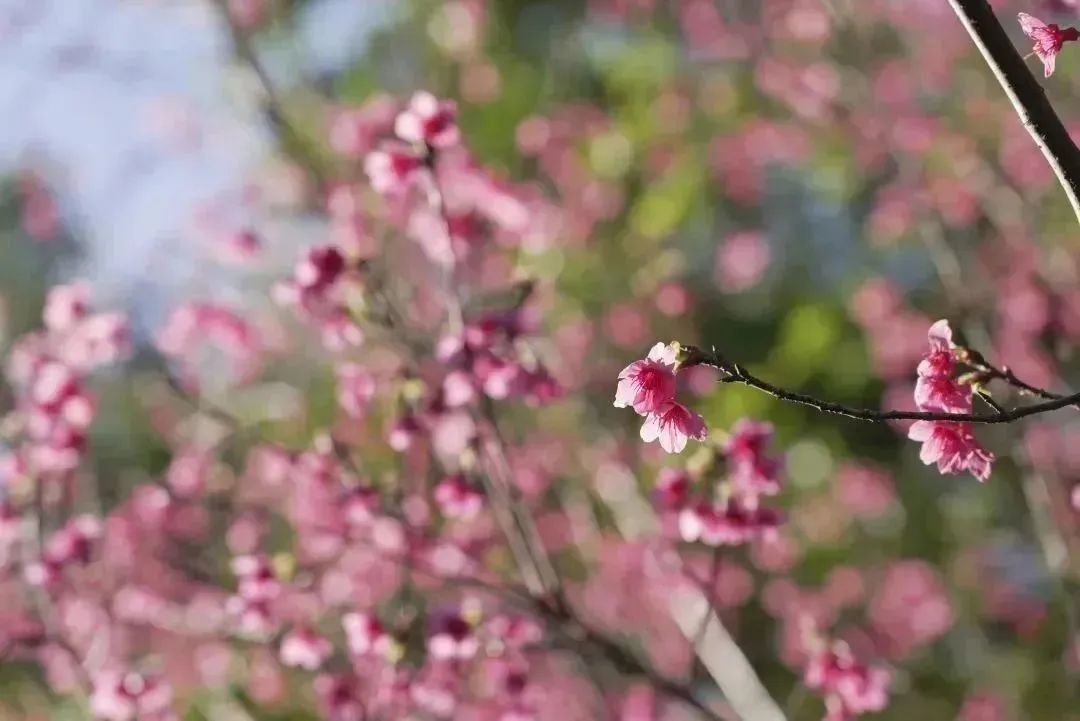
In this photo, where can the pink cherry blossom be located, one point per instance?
(936, 389)
(648, 385)
(303, 648)
(453, 637)
(952, 446)
(130, 697)
(428, 120)
(457, 498)
(1049, 39)
(673, 424)
(391, 169)
(753, 472)
(850, 687)
(365, 635)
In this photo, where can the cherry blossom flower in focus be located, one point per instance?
(1049, 39)
(673, 425)
(648, 385)
(951, 445)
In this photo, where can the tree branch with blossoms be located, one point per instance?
(1028, 98)
(943, 395)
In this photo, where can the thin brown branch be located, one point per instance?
(1025, 93)
(734, 373)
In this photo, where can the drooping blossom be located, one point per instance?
(952, 446)
(673, 424)
(648, 385)
(1049, 39)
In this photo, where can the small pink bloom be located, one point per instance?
(457, 498)
(459, 389)
(65, 306)
(428, 120)
(319, 269)
(673, 425)
(1049, 39)
(303, 648)
(130, 697)
(952, 446)
(365, 635)
(850, 687)
(403, 433)
(391, 169)
(452, 637)
(648, 385)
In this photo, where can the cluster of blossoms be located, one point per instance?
(950, 444)
(730, 513)
(648, 386)
(1049, 39)
(335, 602)
(850, 687)
(489, 357)
(49, 370)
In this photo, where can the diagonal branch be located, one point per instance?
(1025, 93)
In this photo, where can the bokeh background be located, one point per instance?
(806, 184)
